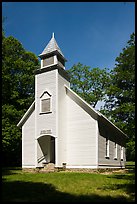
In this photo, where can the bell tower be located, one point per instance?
(50, 105)
(52, 55)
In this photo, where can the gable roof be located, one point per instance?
(89, 109)
(26, 115)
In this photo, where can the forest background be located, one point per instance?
(115, 87)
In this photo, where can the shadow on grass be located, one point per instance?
(10, 170)
(126, 176)
(17, 191)
(128, 187)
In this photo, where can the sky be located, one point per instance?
(92, 33)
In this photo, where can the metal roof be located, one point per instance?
(51, 47)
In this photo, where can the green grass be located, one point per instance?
(130, 164)
(19, 186)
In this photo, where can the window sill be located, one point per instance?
(107, 157)
(45, 113)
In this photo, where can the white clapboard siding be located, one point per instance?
(62, 128)
(103, 161)
(81, 136)
(28, 142)
(46, 82)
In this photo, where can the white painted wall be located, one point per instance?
(81, 136)
(103, 161)
(46, 81)
(28, 142)
(62, 128)
(114, 136)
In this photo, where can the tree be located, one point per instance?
(17, 94)
(89, 83)
(120, 104)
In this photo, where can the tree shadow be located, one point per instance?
(129, 177)
(10, 170)
(19, 191)
(128, 187)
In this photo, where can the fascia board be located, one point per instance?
(23, 119)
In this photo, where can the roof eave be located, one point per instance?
(96, 112)
(23, 119)
(43, 55)
(105, 118)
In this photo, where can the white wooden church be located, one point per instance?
(61, 128)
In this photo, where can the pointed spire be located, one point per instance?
(51, 47)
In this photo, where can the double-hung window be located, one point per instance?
(115, 151)
(107, 148)
(122, 153)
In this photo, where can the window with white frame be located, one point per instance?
(45, 103)
(115, 151)
(122, 153)
(107, 147)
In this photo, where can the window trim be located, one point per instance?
(45, 96)
(115, 151)
(121, 153)
(45, 99)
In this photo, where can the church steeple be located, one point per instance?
(52, 55)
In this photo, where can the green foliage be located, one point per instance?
(120, 104)
(116, 88)
(17, 73)
(17, 94)
(89, 83)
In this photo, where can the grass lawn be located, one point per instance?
(130, 164)
(19, 186)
